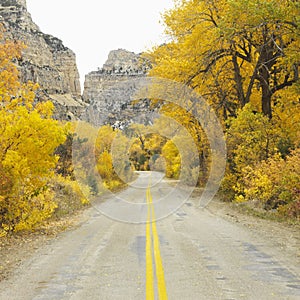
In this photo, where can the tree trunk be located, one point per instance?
(238, 81)
(266, 101)
(266, 62)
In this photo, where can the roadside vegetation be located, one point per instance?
(37, 180)
(242, 56)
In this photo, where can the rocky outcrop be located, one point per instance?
(45, 60)
(123, 62)
(111, 89)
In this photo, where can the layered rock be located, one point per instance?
(45, 60)
(110, 91)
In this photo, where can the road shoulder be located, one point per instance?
(283, 236)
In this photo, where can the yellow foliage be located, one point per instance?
(243, 57)
(275, 182)
(96, 155)
(251, 138)
(28, 138)
(173, 160)
(105, 165)
(146, 147)
(239, 199)
(105, 138)
(30, 212)
(231, 52)
(287, 116)
(257, 147)
(70, 195)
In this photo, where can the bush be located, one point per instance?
(69, 196)
(275, 183)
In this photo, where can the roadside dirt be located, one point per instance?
(17, 248)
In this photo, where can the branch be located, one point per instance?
(243, 57)
(220, 54)
(287, 82)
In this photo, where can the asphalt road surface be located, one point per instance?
(190, 254)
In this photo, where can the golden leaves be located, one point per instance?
(28, 138)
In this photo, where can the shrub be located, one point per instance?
(276, 183)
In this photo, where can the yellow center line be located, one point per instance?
(161, 285)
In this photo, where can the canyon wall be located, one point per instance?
(45, 60)
(111, 89)
(108, 92)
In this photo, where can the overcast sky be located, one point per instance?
(91, 28)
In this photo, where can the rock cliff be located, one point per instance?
(109, 91)
(45, 60)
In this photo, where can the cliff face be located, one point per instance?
(45, 60)
(109, 91)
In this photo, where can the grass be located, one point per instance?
(246, 208)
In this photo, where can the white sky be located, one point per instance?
(91, 28)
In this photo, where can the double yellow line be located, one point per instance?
(153, 242)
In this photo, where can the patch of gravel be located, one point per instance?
(16, 248)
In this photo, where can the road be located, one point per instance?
(191, 254)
